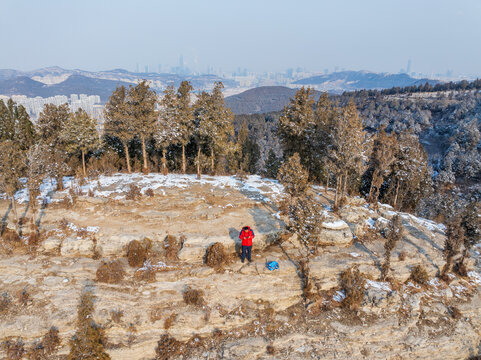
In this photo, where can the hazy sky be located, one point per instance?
(260, 35)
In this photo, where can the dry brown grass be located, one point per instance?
(116, 316)
(460, 269)
(14, 350)
(111, 272)
(172, 247)
(169, 321)
(23, 297)
(136, 253)
(146, 274)
(402, 256)
(149, 192)
(352, 282)
(5, 303)
(215, 255)
(270, 349)
(10, 236)
(155, 313)
(193, 296)
(133, 193)
(419, 275)
(47, 347)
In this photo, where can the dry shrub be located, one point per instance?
(48, 346)
(146, 273)
(149, 192)
(352, 282)
(23, 297)
(193, 296)
(167, 348)
(271, 350)
(111, 272)
(155, 314)
(5, 303)
(14, 350)
(133, 193)
(89, 339)
(136, 253)
(454, 312)
(419, 275)
(172, 247)
(460, 269)
(116, 316)
(215, 255)
(107, 163)
(306, 279)
(34, 239)
(10, 236)
(169, 321)
(63, 224)
(402, 256)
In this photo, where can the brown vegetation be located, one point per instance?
(215, 255)
(169, 321)
(111, 272)
(48, 346)
(167, 348)
(149, 192)
(89, 339)
(352, 282)
(172, 247)
(14, 350)
(136, 253)
(133, 193)
(193, 296)
(419, 275)
(5, 302)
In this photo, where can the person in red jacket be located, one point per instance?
(246, 235)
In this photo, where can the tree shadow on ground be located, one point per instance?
(5, 218)
(361, 247)
(234, 235)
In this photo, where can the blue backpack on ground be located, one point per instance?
(272, 265)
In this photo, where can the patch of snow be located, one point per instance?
(339, 296)
(92, 229)
(475, 277)
(370, 222)
(335, 225)
(378, 285)
(354, 254)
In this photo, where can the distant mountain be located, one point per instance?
(74, 84)
(358, 80)
(57, 81)
(260, 100)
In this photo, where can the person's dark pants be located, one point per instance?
(246, 252)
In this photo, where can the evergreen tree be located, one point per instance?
(80, 135)
(118, 123)
(141, 102)
(167, 129)
(454, 239)
(50, 125)
(12, 168)
(15, 125)
(394, 235)
(185, 120)
(348, 148)
(248, 149)
(382, 156)
(272, 165)
(296, 125)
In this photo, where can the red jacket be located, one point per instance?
(246, 236)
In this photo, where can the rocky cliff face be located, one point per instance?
(247, 312)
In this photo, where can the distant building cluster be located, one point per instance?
(34, 106)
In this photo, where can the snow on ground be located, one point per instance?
(428, 224)
(377, 285)
(335, 225)
(117, 185)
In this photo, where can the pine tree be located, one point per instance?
(15, 125)
(50, 125)
(410, 178)
(80, 135)
(167, 129)
(320, 137)
(382, 156)
(454, 239)
(141, 102)
(12, 168)
(394, 235)
(248, 150)
(118, 123)
(296, 124)
(272, 165)
(348, 148)
(185, 120)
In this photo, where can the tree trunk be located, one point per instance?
(198, 162)
(327, 182)
(60, 183)
(144, 155)
(14, 208)
(396, 195)
(184, 165)
(344, 186)
(83, 163)
(336, 196)
(212, 164)
(369, 197)
(127, 157)
(164, 162)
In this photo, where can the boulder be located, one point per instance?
(114, 245)
(335, 233)
(77, 247)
